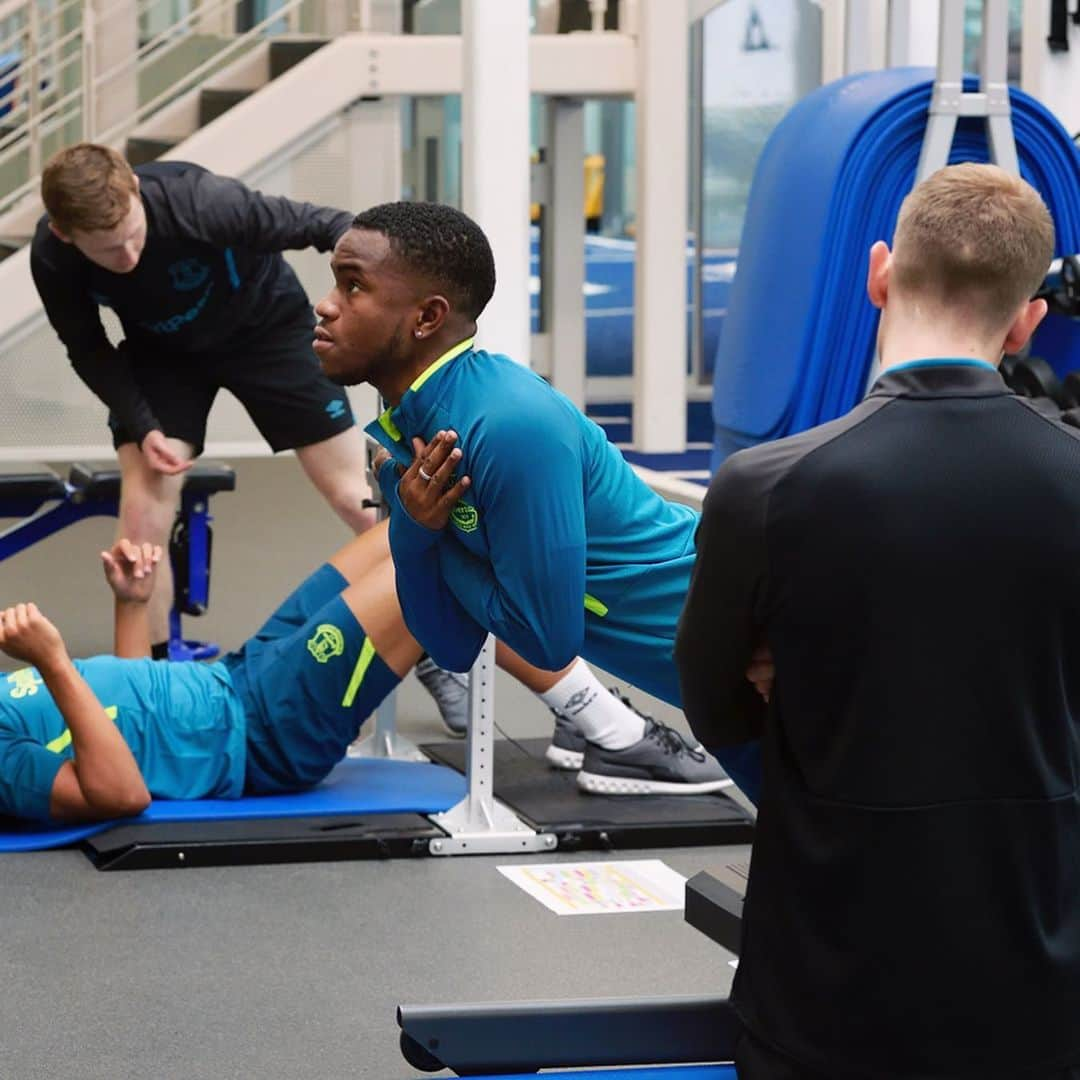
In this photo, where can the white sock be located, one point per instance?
(601, 716)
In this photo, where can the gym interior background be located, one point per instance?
(295, 970)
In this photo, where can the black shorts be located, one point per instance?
(277, 379)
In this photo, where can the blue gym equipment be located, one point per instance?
(810, 222)
(45, 503)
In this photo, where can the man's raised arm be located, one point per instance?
(103, 779)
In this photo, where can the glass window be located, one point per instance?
(759, 57)
(973, 37)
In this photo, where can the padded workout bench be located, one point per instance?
(522, 1038)
(46, 504)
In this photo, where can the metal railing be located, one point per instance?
(51, 76)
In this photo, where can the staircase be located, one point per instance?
(183, 78)
(218, 95)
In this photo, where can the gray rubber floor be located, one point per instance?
(295, 971)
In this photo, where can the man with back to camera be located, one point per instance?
(531, 525)
(191, 264)
(906, 580)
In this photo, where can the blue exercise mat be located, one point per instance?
(797, 343)
(355, 786)
(652, 1072)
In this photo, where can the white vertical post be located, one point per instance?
(913, 33)
(833, 20)
(864, 35)
(1052, 77)
(994, 83)
(33, 96)
(495, 159)
(115, 100)
(564, 247)
(88, 73)
(660, 292)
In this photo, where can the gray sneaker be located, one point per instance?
(451, 693)
(662, 763)
(567, 748)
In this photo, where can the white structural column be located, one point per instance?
(865, 35)
(495, 159)
(564, 247)
(833, 37)
(660, 291)
(1052, 77)
(913, 33)
(115, 39)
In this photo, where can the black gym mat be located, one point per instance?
(260, 840)
(549, 799)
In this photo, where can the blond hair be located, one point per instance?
(87, 187)
(975, 239)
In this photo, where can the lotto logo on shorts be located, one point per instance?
(465, 517)
(326, 643)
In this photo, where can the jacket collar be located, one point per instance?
(940, 377)
(405, 409)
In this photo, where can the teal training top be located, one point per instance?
(184, 724)
(558, 547)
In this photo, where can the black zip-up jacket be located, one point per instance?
(211, 279)
(914, 897)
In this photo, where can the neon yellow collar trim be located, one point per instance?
(389, 426)
(443, 360)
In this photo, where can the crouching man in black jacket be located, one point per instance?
(914, 898)
(191, 264)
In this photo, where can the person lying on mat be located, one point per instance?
(510, 512)
(98, 738)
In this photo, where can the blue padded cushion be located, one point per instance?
(798, 340)
(355, 786)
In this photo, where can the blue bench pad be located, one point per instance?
(355, 786)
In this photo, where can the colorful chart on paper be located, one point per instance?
(601, 888)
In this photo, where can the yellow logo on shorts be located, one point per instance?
(326, 643)
(465, 517)
(25, 682)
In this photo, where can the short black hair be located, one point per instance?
(441, 243)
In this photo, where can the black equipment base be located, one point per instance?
(255, 841)
(549, 800)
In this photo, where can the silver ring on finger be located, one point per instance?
(425, 476)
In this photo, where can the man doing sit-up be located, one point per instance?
(516, 516)
(98, 738)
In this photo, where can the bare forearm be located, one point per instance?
(131, 630)
(107, 771)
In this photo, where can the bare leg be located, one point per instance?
(535, 679)
(148, 504)
(364, 553)
(373, 600)
(338, 468)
